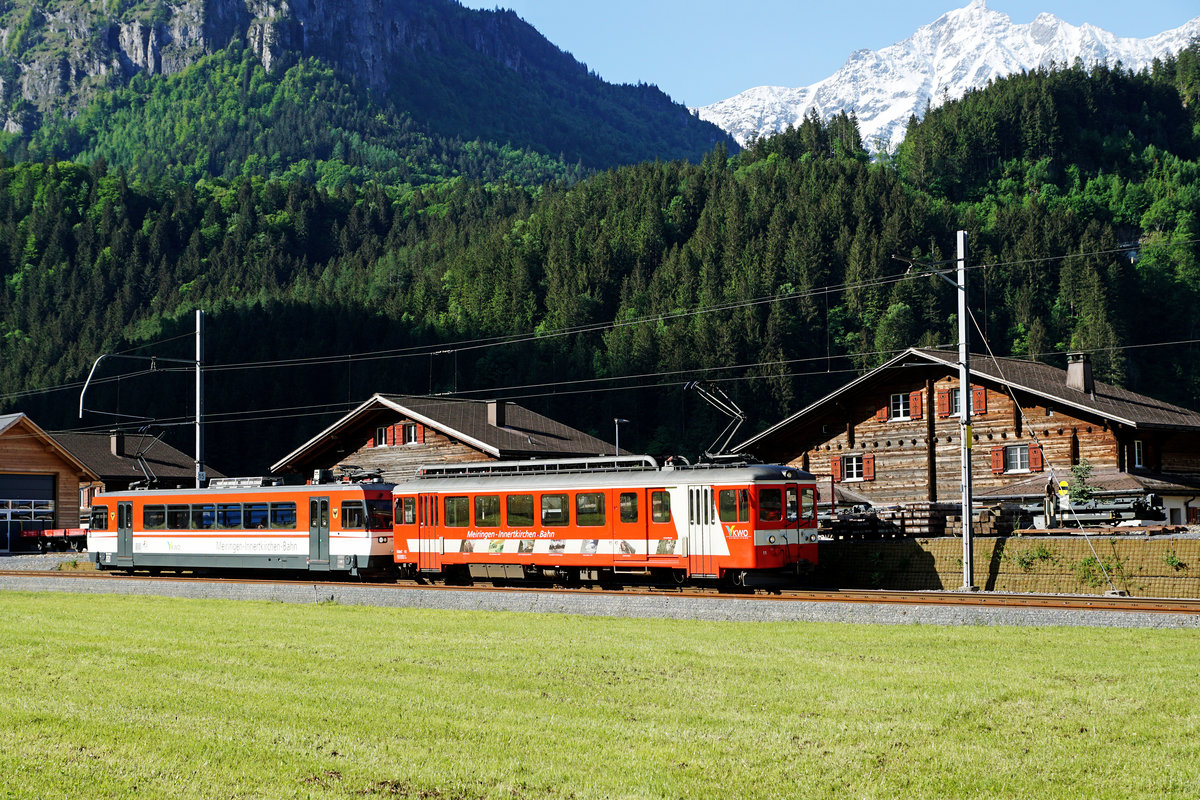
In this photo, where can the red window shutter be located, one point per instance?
(869, 467)
(979, 400)
(914, 404)
(391, 434)
(835, 466)
(881, 413)
(420, 434)
(943, 403)
(997, 460)
(1036, 462)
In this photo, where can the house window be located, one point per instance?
(1139, 453)
(898, 408)
(1016, 458)
(408, 433)
(381, 437)
(977, 407)
(852, 468)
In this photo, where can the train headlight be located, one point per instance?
(771, 540)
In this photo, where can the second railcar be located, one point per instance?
(343, 527)
(593, 519)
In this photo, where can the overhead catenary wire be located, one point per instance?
(494, 341)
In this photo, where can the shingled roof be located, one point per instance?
(1111, 402)
(164, 461)
(1103, 482)
(1041, 380)
(524, 433)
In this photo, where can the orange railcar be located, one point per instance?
(596, 519)
(318, 527)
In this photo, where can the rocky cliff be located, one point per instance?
(57, 54)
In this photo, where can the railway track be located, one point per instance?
(857, 596)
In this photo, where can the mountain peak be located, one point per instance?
(963, 49)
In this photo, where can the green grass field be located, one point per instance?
(149, 697)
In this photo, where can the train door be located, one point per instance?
(318, 533)
(791, 513)
(429, 544)
(630, 532)
(124, 534)
(701, 561)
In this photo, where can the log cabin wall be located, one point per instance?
(1180, 452)
(22, 452)
(891, 451)
(399, 461)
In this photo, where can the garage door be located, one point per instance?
(26, 501)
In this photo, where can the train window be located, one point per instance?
(519, 508)
(379, 515)
(770, 505)
(743, 505)
(354, 515)
(555, 509)
(179, 518)
(283, 515)
(254, 516)
(727, 505)
(487, 511)
(99, 521)
(154, 517)
(204, 517)
(589, 508)
(229, 515)
(793, 504)
(660, 506)
(458, 515)
(808, 504)
(406, 510)
(629, 510)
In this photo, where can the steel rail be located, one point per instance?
(1161, 605)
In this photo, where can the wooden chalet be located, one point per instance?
(39, 480)
(396, 434)
(894, 434)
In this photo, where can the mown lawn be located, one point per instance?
(150, 697)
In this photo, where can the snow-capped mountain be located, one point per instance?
(961, 50)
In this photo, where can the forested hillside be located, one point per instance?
(227, 116)
(773, 270)
(462, 74)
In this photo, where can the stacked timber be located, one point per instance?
(999, 521)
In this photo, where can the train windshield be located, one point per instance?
(379, 515)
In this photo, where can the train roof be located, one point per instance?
(313, 489)
(603, 473)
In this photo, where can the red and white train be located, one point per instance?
(568, 520)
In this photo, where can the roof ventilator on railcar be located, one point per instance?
(538, 466)
(352, 473)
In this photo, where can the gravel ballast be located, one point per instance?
(717, 608)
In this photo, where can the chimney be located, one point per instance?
(1079, 373)
(495, 409)
(116, 443)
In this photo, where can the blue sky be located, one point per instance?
(701, 51)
